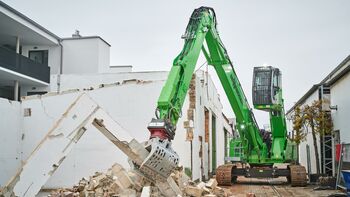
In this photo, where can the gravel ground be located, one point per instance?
(273, 187)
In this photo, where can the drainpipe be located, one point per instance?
(61, 66)
(17, 45)
(16, 85)
(16, 91)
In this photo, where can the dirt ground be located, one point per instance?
(274, 187)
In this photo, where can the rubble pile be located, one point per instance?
(117, 182)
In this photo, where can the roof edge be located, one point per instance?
(333, 79)
(9, 8)
(87, 37)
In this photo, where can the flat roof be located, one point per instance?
(329, 80)
(9, 8)
(86, 37)
(4, 5)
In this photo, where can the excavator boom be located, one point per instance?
(256, 146)
(202, 35)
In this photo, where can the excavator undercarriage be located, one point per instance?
(227, 174)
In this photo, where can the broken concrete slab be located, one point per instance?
(59, 141)
(52, 149)
(128, 193)
(193, 191)
(212, 183)
(146, 191)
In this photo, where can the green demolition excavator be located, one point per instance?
(256, 151)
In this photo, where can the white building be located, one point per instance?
(70, 66)
(338, 82)
(29, 54)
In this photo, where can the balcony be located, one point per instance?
(18, 63)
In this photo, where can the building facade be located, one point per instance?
(30, 54)
(335, 89)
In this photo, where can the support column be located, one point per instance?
(16, 91)
(16, 87)
(17, 45)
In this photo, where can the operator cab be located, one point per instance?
(266, 85)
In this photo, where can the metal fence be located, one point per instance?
(342, 162)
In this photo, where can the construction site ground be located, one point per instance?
(273, 187)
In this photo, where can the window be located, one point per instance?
(40, 56)
(36, 93)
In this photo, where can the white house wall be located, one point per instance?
(10, 147)
(80, 56)
(103, 57)
(340, 97)
(86, 81)
(207, 96)
(132, 105)
(308, 140)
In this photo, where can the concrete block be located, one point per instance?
(212, 183)
(201, 184)
(193, 191)
(116, 168)
(68, 194)
(138, 181)
(146, 191)
(121, 177)
(128, 193)
(218, 191)
(188, 123)
(190, 114)
(189, 134)
(192, 105)
(99, 192)
(90, 194)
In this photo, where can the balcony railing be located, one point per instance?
(21, 64)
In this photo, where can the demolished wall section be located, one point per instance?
(10, 131)
(131, 103)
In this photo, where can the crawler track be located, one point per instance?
(224, 174)
(297, 176)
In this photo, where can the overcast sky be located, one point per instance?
(305, 39)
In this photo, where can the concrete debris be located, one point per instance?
(212, 183)
(119, 182)
(208, 189)
(146, 191)
(250, 195)
(193, 191)
(115, 182)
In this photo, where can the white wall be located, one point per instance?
(103, 57)
(93, 152)
(207, 97)
(132, 105)
(308, 140)
(10, 130)
(80, 56)
(340, 96)
(86, 81)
